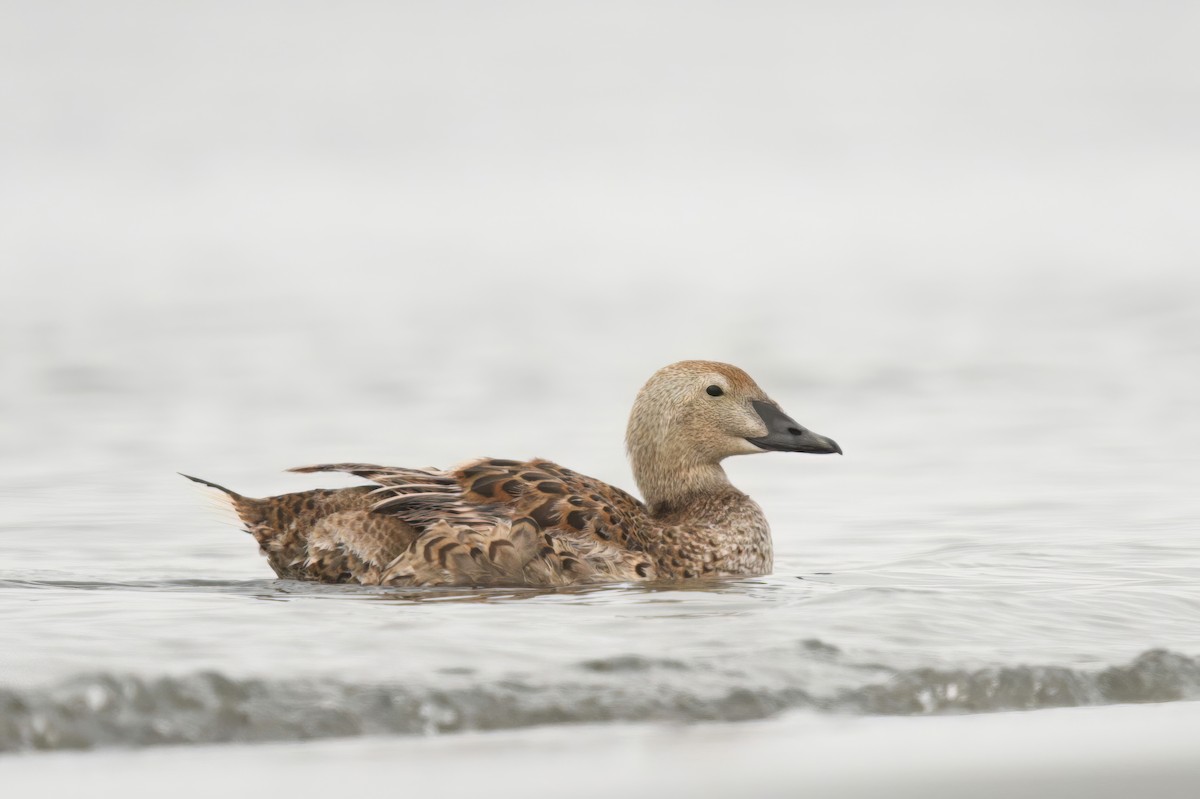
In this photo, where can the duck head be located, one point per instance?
(692, 415)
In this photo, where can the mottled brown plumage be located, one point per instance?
(495, 522)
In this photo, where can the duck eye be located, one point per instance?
(714, 391)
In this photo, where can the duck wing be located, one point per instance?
(420, 497)
(559, 500)
(506, 522)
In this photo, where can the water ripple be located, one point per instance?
(102, 710)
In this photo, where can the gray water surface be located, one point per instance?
(1015, 531)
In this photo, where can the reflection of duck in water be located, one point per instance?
(513, 523)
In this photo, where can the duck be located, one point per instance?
(493, 522)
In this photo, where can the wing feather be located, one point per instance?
(503, 522)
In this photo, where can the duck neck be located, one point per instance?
(669, 491)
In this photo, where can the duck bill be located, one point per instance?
(785, 435)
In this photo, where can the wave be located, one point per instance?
(99, 710)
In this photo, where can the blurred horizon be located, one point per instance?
(213, 209)
(393, 141)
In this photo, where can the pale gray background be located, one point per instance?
(961, 238)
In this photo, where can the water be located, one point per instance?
(1005, 532)
(1003, 336)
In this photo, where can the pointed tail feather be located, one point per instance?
(204, 482)
(247, 510)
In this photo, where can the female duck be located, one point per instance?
(533, 523)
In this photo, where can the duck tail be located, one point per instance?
(249, 512)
